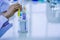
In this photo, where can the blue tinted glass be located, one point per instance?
(24, 16)
(15, 0)
(34, 0)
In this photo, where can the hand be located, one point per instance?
(12, 9)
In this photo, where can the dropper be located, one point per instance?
(23, 7)
(18, 9)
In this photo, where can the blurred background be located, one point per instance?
(42, 21)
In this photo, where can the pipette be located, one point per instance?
(19, 13)
(23, 7)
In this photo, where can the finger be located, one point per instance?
(18, 7)
(21, 7)
(17, 4)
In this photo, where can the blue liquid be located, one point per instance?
(24, 16)
(41, 1)
(34, 0)
(15, 0)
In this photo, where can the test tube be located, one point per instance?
(22, 18)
